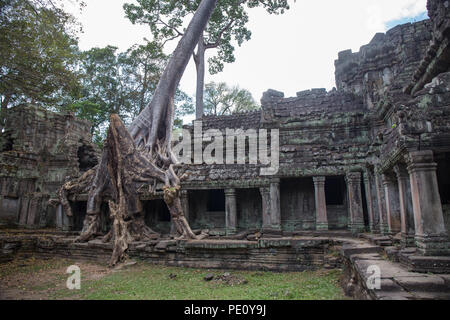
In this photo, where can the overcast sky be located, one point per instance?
(289, 53)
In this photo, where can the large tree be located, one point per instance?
(227, 26)
(221, 99)
(121, 83)
(140, 156)
(37, 52)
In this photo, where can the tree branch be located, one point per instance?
(219, 38)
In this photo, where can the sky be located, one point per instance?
(289, 53)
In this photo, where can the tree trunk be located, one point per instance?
(4, 106)
(200, 66)
(139, 156)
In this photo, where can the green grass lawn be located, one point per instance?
(146, 281)
(154, 283)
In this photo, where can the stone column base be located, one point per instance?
(407, 240)
(322, 226)
(430, 245)
(276, 227)
(356, 227)
(384, 229)
(230, 231)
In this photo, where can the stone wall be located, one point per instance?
(387, 63)
(39, 151)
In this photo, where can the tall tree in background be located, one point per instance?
(227, 24)
(220, 99)
(37, 52)
(119, 83)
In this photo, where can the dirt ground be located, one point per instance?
(33, 279)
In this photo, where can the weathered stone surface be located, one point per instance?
(39, 150)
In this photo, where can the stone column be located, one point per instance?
(406, 208)
(368, 190)
(381, 205)
(265, 197)
(33, 211)
(321, 205)
(391, 196)
(355, 206)
(230, 211)
(275, 208)
(23, 211)
(431, 236)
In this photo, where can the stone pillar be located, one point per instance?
(381, 205)
(230, 211)
(321, 205)
(368, 189)
(275, 208)
(355, 206)
(406, 207)
(431, 235)
(33, 212)
(23, 212)
(266, 216)
(391, 196)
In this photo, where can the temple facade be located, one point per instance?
(371, 155)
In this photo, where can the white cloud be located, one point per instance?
(290, 52)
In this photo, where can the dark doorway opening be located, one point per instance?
(79, 213)
(443, 176)
(335, 191)
(157, 215)
(216, 200)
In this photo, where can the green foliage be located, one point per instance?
(183, 107)
(37, 52)
(221, 99)
(120, 83)
(226, 26)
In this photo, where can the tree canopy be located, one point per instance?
(221, 99)
(37, 52)
(227, 26)
(120, 82)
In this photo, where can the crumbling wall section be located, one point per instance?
(39, 151)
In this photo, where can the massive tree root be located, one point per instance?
(140, 155)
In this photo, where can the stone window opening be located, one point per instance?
(79, 213)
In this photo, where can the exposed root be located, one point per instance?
(139, 156)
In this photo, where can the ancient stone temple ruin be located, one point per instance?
(370, 157)
(39, 151)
